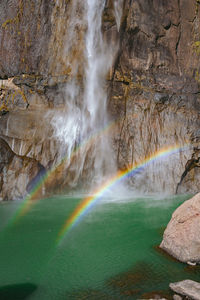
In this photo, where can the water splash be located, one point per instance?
(118, 9)
(89, 202)
(85, 92)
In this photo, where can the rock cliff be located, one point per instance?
(17, 174)
(153, 86)
(155, 89)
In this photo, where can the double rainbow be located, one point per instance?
(88, 203)
(46, 178)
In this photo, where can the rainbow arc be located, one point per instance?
(89, 202)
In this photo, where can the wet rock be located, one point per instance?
(90, 295)
(177, 297)
(184, 187)
(153, 295)
(182, 236)
(188, 288)
(191, 172)
(154, 95)
(131, 283)
(6, 154)
(17, 173)
(153, 84)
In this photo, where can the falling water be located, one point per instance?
(86, 99)
(99, 59)
(118, 8)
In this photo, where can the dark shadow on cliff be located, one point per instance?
(17, 291)
(194, 162)
(37, 179)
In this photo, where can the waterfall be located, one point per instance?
(85, 116)
(118, 9)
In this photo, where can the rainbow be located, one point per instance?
(35, 193)
(28, 202)
(86, 205)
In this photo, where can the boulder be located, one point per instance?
(182, 236)
(188, 288)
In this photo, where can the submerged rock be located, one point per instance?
(177, 297)
(182, 236)
(17, 291)
(187, 288)
(17, 173)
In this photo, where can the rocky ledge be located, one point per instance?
(187, 288)
(182, 236)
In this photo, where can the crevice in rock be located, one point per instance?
(121, 39)
(146, 34)
(158, 37)
(192, 21)
(192, 163)
(195, 215)
(178, 42)
(176, 25)
(179, 36)
(124, 119)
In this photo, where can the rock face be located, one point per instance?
(153, 85)
(16, 173)
(187, 288)
(182, 236)
(154, 92)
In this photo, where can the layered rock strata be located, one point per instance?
(153, 85)
(155, 91)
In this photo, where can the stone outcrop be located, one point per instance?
(187, 288)
(153, 85)
(182, 236)
(17, 174)
(155, 91)
(177, 297)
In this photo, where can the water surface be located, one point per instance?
(110, 254)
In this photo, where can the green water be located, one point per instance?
(110, 254)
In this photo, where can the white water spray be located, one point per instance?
(86, 99)
(118, 9)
